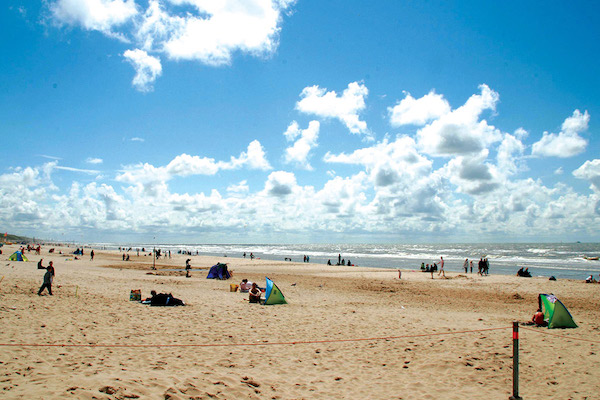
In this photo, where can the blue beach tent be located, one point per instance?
(218, 271)
(17, 256)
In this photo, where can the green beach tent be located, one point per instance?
(272, 294)
(555, 312)
(17, 256)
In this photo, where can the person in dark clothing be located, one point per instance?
(164, 299)
(40, 266)
(48, 278)
(254, 294)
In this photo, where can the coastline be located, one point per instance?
(343, 305)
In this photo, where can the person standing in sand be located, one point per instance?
(466, 265)
(48, 278)
(92, 255)
(442, 267)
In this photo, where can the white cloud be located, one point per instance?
(559, 171)
(387, 163)
(137, 139)
(461, 132)
(418, 111)
(206, 31)
(280, 183)
(346, 108)
(100, 15)
(221, 27)
(187, 165)
(240, 188)
(590, 170)
(306, 141)
(93, 160)
(567, 143)
(254, 157)
(71, 169)
(510, 152)
(576, 123)
(472, 175)
(147, 69)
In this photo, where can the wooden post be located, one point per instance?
(515, 395)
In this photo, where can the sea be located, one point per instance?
(561, 260)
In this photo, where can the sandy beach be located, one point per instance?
(347, 332)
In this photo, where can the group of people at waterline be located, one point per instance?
(483, 267)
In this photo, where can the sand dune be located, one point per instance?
(371, 335)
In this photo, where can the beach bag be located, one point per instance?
(135, 295)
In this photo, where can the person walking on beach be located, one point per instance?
(188, 267)
(48, 278)
(471, 265)
(466, 265)
(339, 259)
(92, 255)
(442, 267)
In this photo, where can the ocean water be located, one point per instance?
(562, 260)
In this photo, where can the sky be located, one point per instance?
(259, 121)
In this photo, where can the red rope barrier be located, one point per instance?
(560, 336)
(246, 344)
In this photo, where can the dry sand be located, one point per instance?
(221, 347)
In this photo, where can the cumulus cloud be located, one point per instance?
(100, 15)
(590, 170)
(567, 143)
(346, 107)
(461, 131)
(305, 141)
(389, 187)
(187, 165)
(93, 160)
(510, 153)
(206, 31)
(280, 183)
(473, 175)
(147, 69)
(221, 27)
(387, 162)
(418, 111)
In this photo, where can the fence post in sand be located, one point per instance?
(515, 395)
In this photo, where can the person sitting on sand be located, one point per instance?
(254, 294)
(329, 262)
(423, 266)
(590, 279)
(538, 318)
(245, 286)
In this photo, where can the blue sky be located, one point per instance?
(299, 121)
